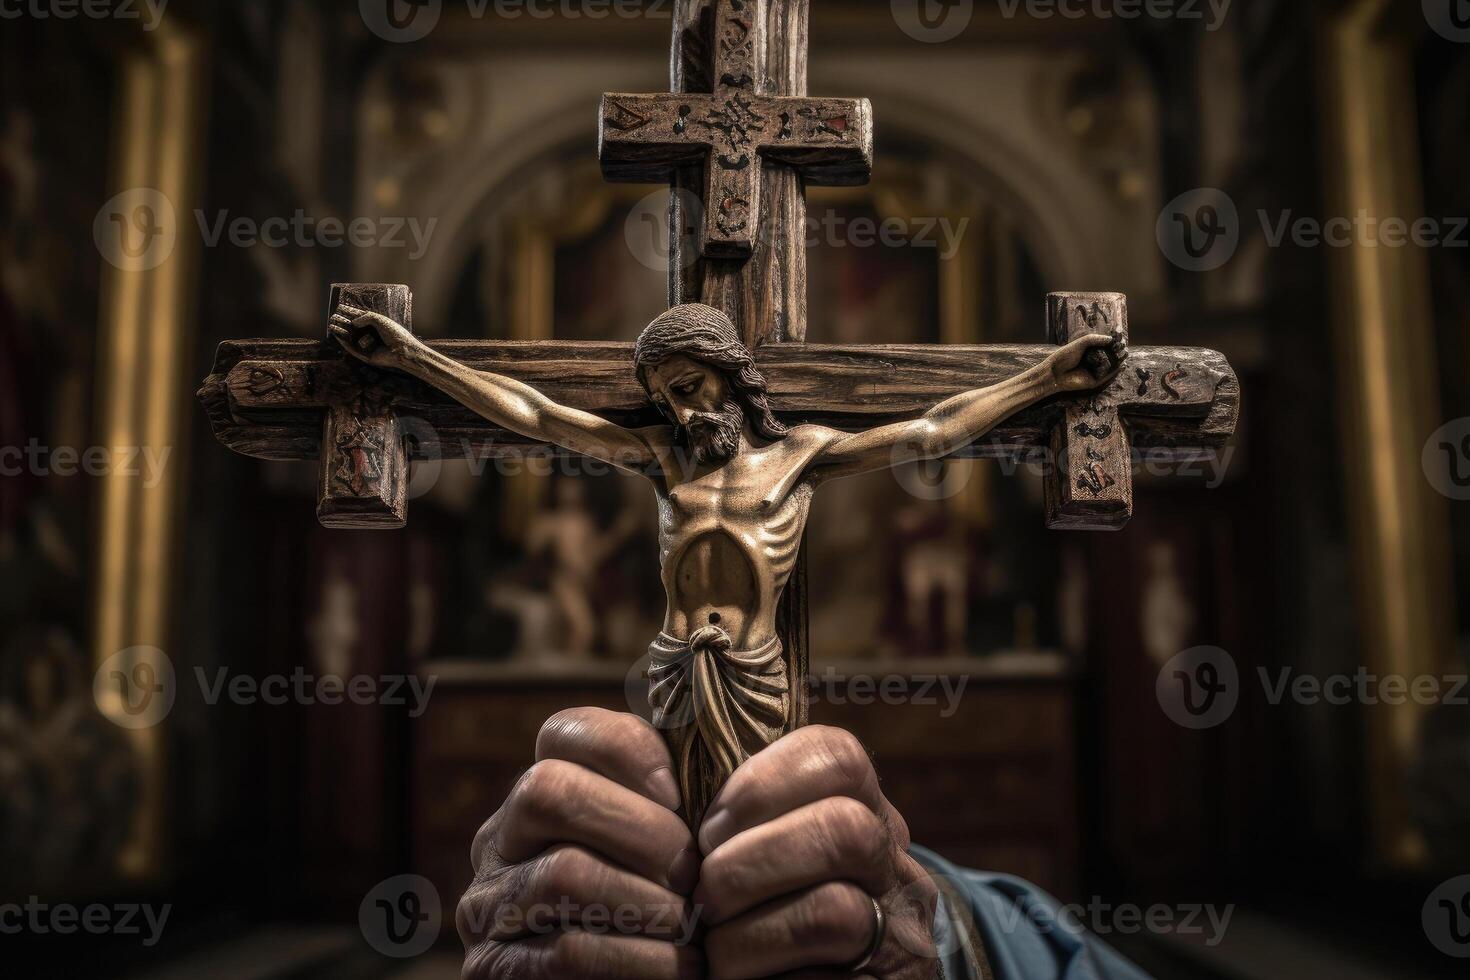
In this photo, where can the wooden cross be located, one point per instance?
(729, 128)
(739, 60)
(295, 399)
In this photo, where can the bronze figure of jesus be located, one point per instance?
(734, 487)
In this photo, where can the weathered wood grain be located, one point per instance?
(846, 386)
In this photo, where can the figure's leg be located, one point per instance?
(571, 597)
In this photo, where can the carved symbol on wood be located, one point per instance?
(737, 119)
(1094, 479)
(1094, 318)
(1100, 431)
(1143, 377)
(1172, 379)
(264, 380)
(619, 116)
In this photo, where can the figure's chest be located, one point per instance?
(748, 489)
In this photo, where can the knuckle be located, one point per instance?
(565, 870)
(542, 790)
(480, 847)
(853, 833)
(468, 915)
(844, 753)
(557, 729)
(721, 877)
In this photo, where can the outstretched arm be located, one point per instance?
(960, 420)
(509, 403)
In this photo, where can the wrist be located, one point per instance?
(415, 357)
(1043, 380)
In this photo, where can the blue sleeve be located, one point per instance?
(1019, 929)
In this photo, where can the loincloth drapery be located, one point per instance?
(716, 707)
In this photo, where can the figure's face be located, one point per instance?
(698, 399)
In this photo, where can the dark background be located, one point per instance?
(1329, 544)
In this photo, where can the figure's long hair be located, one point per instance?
(703, 333)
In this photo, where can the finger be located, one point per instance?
(829, 925)
(584, 956)
(340, 320)
(808, 765)
(620, 746)
(340, 332)
(559, 802)
(354, 312)
(568, 888)
(831, 840)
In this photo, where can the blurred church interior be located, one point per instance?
(1048, 147)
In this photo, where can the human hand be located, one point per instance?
(372, 337)
(585, 870)
(798, 845)
(1086, 363)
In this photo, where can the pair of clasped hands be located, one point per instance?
(589, 871)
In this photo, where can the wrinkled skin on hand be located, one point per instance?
(588, 871)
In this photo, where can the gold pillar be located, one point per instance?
(1387, 405)
(143, 392)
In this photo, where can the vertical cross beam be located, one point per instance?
(362, 479)
(739, 135)
(1089, 483)
(363, 475)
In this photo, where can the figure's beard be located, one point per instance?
(715, 436)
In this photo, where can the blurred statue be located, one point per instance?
(568, 536)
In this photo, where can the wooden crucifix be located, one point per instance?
(735, 419)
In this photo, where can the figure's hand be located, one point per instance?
(797, 846)
(371, 337)
(1088, 362)
(585, 869)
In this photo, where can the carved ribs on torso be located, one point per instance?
(728, 540)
